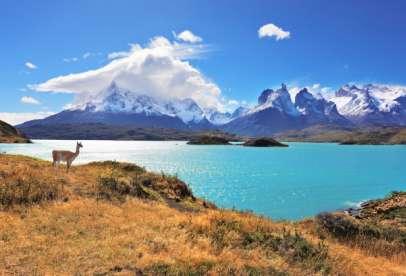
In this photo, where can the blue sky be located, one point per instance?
(330, 42)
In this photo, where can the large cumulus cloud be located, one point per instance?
(160, 69)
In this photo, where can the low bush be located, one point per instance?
(378, 239)
(229, 233)
(28, 189)
(114, 188)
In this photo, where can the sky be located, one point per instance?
(221, 53)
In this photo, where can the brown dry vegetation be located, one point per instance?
(115, 218)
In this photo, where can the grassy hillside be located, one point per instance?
(109, 218)
(349, 136)
(8, 134)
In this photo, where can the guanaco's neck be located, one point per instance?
(77, 150)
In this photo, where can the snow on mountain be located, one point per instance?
(220, 118)
(216, 117)
(115, 99)
(386, 95)
(275, 111)
(187, 110)
(278, 99)
(371, 103)
(316, 109)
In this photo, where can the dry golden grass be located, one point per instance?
(110, 218)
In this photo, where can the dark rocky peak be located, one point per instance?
(264, 96)
(303, 96)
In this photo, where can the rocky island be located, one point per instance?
(209, 140)
(264, 142)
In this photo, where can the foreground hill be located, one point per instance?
(109, 218)
(349, 136)
(9, 134)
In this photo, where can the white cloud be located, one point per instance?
(271, 30)
(86, 55)
(160, 69)
(18, 118)
(115, 55)
(29, 100)
(73, 59)
(187, 36)
(68, 106)
(30, 65)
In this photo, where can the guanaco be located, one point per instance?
(65, 156)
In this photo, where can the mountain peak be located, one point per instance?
(278, 99)
(303, 93)
(264, 96)
(283, 86)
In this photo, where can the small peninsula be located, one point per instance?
(9, 134)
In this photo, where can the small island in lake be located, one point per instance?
(9, 134)
(264, 142)
(209, 140)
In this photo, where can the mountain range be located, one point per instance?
(276, 111)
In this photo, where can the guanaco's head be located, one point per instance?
(79, 144)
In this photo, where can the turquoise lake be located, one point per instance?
(282, 183)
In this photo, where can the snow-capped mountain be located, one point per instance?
(275, 112)
(220, 118)
(278, 99)
(317, 110)
(372, 104)
(114, 99)
(115, 105)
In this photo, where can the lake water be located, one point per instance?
(283, 183)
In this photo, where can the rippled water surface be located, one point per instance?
(283, 183)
